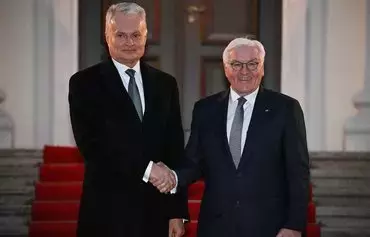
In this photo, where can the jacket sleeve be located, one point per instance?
(297, 167)
(174, 151)
(190, 169)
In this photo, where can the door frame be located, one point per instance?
(92, 47)
(270, 35)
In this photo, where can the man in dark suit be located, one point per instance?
(125, 117)
(249, 145)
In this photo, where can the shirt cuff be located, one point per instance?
(147, 172)
(174, 190)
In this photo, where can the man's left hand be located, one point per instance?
(289, 233)
(166, 183)
(162, 177)
(176, 228)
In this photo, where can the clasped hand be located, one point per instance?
(162, 177)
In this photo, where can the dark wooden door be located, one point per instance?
(186, 38)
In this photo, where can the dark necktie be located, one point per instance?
(133, 92)
(236, 132)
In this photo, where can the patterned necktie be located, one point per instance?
(133, 92)
(236, 132)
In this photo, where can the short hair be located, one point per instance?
(237, 42)
(125, 8)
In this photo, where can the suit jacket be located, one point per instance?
(117, 148)
(269, 190)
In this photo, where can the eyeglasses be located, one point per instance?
(237, 66)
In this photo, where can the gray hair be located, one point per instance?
(125, 8)
(235, 43)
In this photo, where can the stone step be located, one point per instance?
(14, 231)
(361, 184)
(14, 191)
(16, 182)
(341, 187)
(344, 232)
(12, 161)
(344, 222)
(15, 210)
(13, 224)
(344, 201)
(10, 199)
(340, 156)
(340, 173)
(14, 235)
(341, 192)
(348, 212)
(20, 153)
(27, 170)
(340, 164)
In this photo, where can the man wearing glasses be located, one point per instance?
(249, 146)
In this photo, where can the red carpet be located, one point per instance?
(55, 208)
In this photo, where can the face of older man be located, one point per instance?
(244, 69)
(126, 37)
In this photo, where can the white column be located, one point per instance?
(6, 127)
(357, 128)
(56, 43)
(303, 62)
(36, 83)
(315, 106)
(65, 63)
(43, 108)
(293, 49)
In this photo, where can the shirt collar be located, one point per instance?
(251, 98)
(122, 68)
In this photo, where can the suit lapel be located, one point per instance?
(260, 114)
(221, 125)
(149, 90)
(114, 85)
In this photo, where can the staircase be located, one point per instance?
(18, 172)
(57, 193)
(342, 193)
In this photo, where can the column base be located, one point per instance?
(357, 128)
(6, 131)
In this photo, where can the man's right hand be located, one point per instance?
(162, 177)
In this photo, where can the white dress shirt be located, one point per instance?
(248, 109)
(126, 79)
(139, 82)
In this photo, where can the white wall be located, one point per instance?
(323, 64)
(38, 55)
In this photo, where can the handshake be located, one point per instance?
(162, 177)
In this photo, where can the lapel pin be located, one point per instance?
(267, 110)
